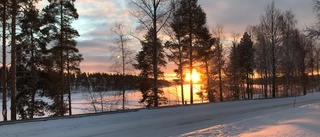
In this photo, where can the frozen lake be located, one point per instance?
(89, 102)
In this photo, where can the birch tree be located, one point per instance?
(122, 55)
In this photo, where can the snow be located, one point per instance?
(303, 122)
(269, 117)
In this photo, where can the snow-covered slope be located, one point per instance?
(239, 118)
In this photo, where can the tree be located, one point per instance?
(189, 22)
(58, 16)
(218, 34)
(232, 69)
(14, 6)
(271, 24)
(175, 46)
(204, 55)
(4, 60)
(288, 59)
(153, 15)
(123, 56)
(29, 58)
(144, 63)
(246, 62)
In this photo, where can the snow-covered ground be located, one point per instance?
(303, 121)
(270, 117)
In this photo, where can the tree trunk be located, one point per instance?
(220, 73)
(181, 71)
(155, 53)
(13, 61)
(4, 63)
(68, 86)
(210, 95)
(61, 61)
(34, 79)
(248, 84)
(191, 55)
(123, 73)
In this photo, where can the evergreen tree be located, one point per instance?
(233, 70)
(204, 55)
(246, 62)
(144, 64)
(29, 58)
(58, 16)
(176, 48)
(192, 21)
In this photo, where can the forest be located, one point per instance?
(271, 59)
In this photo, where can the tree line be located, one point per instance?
(271, 59)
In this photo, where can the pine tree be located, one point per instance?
(175, 46)
(246, 62)
(29, 58)
(58, 16)
(233, 70)
(144, 64)
(204, 55)
(191, 19)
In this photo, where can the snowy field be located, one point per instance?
(269, 117)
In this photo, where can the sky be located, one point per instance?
(98, 16)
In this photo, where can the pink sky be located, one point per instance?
(98, 16)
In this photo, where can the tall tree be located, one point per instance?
(123, 56)
(288, 59)
(4, 59)
(246, 61)
(192, 21)
(271, 24)
(218, 47)
(29, 57)
(153, 14)
(144, 64)
(175, 46)
(204, 55)
(262, 58)
(58, 16)
(14, 6)
(232, 68)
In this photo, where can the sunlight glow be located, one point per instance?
(195, 76)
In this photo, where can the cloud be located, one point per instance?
(235, 15)
(98, 16)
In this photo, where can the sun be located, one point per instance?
(195, 76)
